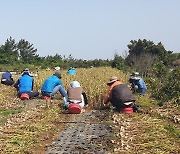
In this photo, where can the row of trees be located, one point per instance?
(21, 52)
(144, 55)
(16, 55)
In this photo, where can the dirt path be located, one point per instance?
(85, 133)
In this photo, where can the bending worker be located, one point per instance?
(119, 94)
(25, 84)
(76, 95)
(137, 83)
(7, 79)
(52, 85)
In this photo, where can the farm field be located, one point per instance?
(31, 126)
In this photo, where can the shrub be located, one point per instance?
(166, 88)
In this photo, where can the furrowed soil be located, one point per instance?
(38, 126)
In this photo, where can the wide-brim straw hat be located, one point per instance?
(112, 79)
(75, 84)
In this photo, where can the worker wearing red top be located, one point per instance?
(119, 94)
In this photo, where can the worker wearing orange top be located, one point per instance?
(119, 94)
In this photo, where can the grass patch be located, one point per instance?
(5, 113)
(156, 136)
(3, 120)
(10, 111)
(145, 101)
(173, 131)
(26, 136)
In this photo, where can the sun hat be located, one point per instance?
(112, 79)
(75, 84)
(135, 77)
(57, 68)
(135, 74)
(26, 71)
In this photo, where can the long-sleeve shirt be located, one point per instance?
(50, 83)
(25, 83)
(7, 76)
(119, 93)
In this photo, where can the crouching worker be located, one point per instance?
(52, 85)
(71, 71)
(137, 84)
(119, 95)
(7, 79)
(25, 84)
(76, 98)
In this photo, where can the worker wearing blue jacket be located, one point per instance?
(71, 71)
(7, 79)
(137, 83)
(25, 84)
(52, 85)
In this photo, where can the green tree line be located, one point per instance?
(142, 56)
(17, 55)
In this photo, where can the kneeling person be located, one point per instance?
(52, 85)
(7, 79)
(25, 84)
(119, 94)
(76, 95)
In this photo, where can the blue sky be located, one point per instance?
(90, 29)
